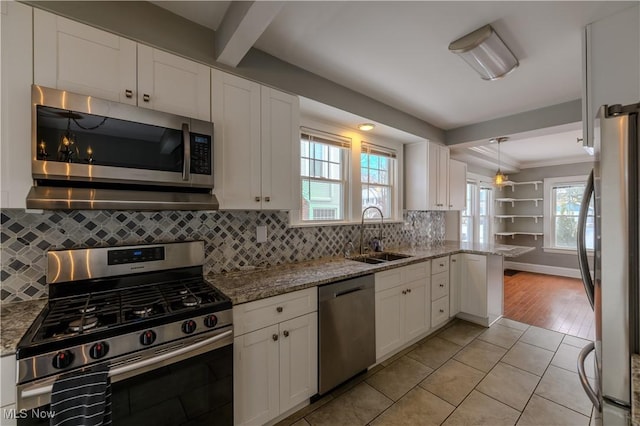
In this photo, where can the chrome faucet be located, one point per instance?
(362, 228)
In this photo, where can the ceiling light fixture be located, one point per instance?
(365, 127)
(485, 51)
(500, 178)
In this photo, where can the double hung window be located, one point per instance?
(323, 170)
(376, 178)
(477, 217)
(563, 197)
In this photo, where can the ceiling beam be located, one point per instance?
(241, 27)
(554, 115)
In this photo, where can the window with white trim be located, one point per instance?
(477, 218)
(377, 179)
(323, 170)
(562, 199)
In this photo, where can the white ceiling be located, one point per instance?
(396, 51)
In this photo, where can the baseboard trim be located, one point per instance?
(543, 269)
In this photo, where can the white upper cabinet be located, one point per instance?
(426, 177)
(457, 185)
(82, 59)
(15, 130)
(257, 149)
(173, 84)
(280, 149)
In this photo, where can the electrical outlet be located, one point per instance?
(261, 234)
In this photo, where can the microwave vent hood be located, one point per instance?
(61, 198)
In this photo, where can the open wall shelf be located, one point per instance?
(513, 217)
(515, 200)
(514, 184)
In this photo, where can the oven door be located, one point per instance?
(82, 138)
(191, 385)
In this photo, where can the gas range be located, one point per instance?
(122, 306)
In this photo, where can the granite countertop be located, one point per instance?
(15, 319)
(247, 286)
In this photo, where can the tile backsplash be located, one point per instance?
(230, 239)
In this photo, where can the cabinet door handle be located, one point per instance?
(441, 285)
(442, 311)
(408, 290)
(442, 265)
(128, 93)
(146, 97)
(285, 333)
(404, 291)
(267, 199)
(274, 337)
(257, 199)
(279, 309)
(450, 205)
(453, 260)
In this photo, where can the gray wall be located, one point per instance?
(537, 256)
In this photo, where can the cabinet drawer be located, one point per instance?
(439, 285)
(439, 264)
(417, 271)
(389, 279)
(439, 311)
(262, 313)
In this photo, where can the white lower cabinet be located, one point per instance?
(478, 282)
(402, 306)
(276, 366)
(8, 389)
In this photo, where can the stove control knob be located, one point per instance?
(211, 321)
(189, 327)
(98, 350)
(148, 337)
(62, 359)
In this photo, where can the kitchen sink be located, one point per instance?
(382, 257)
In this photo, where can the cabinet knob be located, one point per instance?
(442, 265)
(279, 309)
(441, 285)
(257, 199)
(404, 291)
(408, 290)
(274, 337)
(267, 199)
(285, 333)
(442, 311)
(146, 97)
(128, 93)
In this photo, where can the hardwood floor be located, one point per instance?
(551, 302)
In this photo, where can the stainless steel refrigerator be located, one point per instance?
(612, 286)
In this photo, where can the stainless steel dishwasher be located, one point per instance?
(347, 330)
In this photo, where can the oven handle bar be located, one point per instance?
(29, 393)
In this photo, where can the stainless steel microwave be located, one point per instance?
(113, 155)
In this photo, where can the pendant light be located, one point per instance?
(500, 178)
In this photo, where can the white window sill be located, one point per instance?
(563, 250)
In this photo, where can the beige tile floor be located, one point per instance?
(508, 374)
